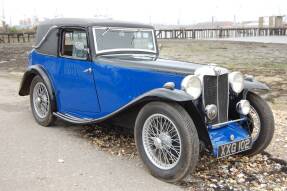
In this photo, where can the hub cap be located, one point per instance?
(161, 141)
(254, 123)
(41, 100)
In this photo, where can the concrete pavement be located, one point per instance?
(57, 158)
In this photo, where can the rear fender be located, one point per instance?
(28, 76)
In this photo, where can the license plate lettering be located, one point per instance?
(233, 148)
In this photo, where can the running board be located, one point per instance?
(73, 119)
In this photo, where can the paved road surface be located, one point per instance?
(29, 154)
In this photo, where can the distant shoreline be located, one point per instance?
(260, 39)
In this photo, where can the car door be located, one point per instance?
(76, 85)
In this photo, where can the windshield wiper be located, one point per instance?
(107, 30)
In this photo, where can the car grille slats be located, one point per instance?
(216, 91)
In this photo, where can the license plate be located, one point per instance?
(234, 147)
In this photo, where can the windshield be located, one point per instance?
(124, 39)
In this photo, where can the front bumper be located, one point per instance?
(230, 133)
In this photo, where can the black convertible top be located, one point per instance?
(47, 31)
(86, 22)
(43, 27)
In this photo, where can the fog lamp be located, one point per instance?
(211, 111)
(243, 107)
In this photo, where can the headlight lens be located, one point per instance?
(243, 107)
(236, 80)
(192, 85)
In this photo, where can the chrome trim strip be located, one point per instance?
(70, 118)
(228, 97)
(123, 49)
(202, 97)
(217, 100)
(218, 125)
(45, 37)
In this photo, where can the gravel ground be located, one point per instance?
(13, 57)
(261, 172)
(267, 62)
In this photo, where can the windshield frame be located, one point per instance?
(125, 50)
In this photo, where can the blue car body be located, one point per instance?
(108, 88)
(96, 89)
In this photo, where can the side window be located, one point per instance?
(74, 44)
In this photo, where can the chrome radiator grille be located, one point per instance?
(216, 91)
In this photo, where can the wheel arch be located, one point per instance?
(127, 116)
(254, 87)
(29, 75)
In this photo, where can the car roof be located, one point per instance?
(49, 46)
(86, 22)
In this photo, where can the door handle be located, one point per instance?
(88, 70)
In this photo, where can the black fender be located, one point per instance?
(126, 115)
(27, 78)
(254, 86)
(159, 94)
(168, 95)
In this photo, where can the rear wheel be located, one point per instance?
(40, 101)
(260, 123)
(167, 140)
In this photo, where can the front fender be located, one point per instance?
(167, 94)
(158, 94)
(184, 99)
(254, 86)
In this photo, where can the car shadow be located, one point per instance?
(116, 140)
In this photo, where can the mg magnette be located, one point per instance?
(88, 71)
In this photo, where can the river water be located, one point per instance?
(262, 39)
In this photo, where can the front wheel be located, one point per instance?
(167, 140)
(260, 124)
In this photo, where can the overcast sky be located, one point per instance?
(154, 11)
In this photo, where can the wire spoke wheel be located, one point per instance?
(41, 101)
(161, 141)
(254, 124)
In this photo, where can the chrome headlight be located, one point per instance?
(243, 107)
(192, 85)
(236, 81)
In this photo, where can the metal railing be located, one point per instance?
(182, 33)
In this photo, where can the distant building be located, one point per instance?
(272, 21)
(28, 23)
(2, 25)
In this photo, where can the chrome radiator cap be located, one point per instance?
(211, 70)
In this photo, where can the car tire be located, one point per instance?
(41, 102)
(186, 133)
(263, 137)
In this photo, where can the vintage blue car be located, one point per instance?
(93, 71)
